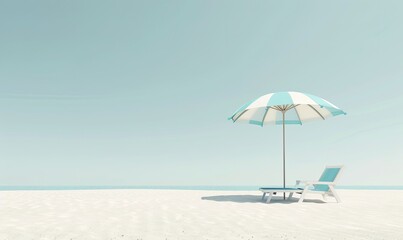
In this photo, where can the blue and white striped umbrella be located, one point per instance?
(300, 108)
(285, 108)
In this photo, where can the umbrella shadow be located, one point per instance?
(235, 198)
(256, 199)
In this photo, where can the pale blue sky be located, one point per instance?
(138, 92)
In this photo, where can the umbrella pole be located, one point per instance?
(283, 152)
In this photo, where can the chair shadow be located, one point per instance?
(257, 199)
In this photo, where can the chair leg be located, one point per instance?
(264, 195)
(324, 197)
(301, 199)
(290, 196)
(303, 194)
(335, 195)
(269, 197)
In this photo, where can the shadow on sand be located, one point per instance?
(256, 199)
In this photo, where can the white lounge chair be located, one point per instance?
(325, 185)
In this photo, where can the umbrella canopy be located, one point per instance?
(300, 108)
(285, 108)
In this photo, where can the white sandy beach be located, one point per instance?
(186, 214)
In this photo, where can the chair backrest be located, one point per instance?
(330, 174)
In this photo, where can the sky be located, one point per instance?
(139, 92)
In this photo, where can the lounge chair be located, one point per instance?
(325, 185)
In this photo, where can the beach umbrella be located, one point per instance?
(283, 108)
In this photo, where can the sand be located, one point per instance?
(187, 214)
